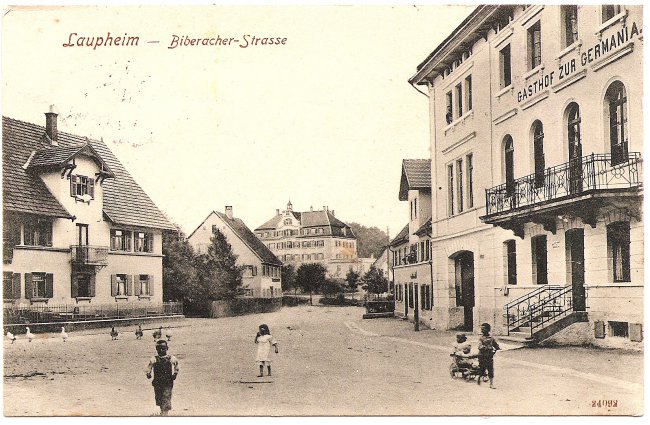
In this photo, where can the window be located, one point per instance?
(144, 285)
(427, 248)
(82, 285)
(569, 24)
(449, 116)
(450, 189)
(609, 11)
(82, 185)
(287, 221)
(469, 159)
(11, 286)
(120, 240)
(39, 285)
(459, 100)
(538, 248)
(534, 46)
(143, 242)
(538, 151)
(619, 329)
(121, 285)
(618, 247)
(468, 93)
(510, 248)
(505, 67)
(459, 184)
(38, 232)
(616, 105)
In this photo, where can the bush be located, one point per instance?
(339, 300)
(291, 301)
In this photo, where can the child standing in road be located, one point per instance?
(165, 370)
(487, 346)
(265, 341)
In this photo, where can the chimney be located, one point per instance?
(229, 212)
(50, 126)
(332, 212)
(277, 211)
(311, 208)
(324, 208)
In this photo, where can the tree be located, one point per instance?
(217, 271)
(311, 277)
(352, 279)
(178, 266)
(375, 281)
(331, 287)
(371, 241)
(288, 276)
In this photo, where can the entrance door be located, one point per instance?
(575, 250)
(464, 268)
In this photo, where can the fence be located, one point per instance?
(244, 305)
(19, 315)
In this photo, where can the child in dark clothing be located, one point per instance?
(487, 346)
(165, 370)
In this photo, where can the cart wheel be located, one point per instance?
(485, 378)
(452, 371)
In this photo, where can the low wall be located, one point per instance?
(242, 306)
(146, 322)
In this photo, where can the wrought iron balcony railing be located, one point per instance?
(579, 176)
(89, 255)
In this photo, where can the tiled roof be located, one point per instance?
(401, 237)
(271, 224)
(318, 218)
(249, 238)
(416, 174)
(124, 200)
(60, 155)
(425, 229)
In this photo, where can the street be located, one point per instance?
(330, 362)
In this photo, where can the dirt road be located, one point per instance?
(331, 362)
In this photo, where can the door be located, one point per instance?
(464, 268)
(575, 243)
(83, 254)
(575, 149)
(509, 160)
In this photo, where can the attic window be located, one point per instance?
(82, 188)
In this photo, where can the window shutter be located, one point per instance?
(129, 284)
(136, 286)
(15, 286)
(28, 285)
(150, 284)
(113, 285)
(73, 181)
(599, 329)
(91, 286)
(636, 332)
(49, 285)
(74, 286)
(150, 243)
(91, 188)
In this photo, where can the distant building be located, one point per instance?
(311, 237)
(77, 229)
(261, 277)
(410, 249)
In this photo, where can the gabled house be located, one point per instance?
(411, 247)
(77, 229)
(261, 278)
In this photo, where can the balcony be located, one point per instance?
(87, 255)
(578, 187)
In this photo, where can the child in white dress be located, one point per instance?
(264, 341)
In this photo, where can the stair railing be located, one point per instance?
(558, 304)
(521, 310)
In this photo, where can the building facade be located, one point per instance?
(311, 237)
(410, 249)
(261, 278)
(536, 140)
(77, 229)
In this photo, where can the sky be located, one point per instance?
(322, 120)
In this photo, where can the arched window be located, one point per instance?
(538, 151)
(616, 109)
(509, 163)
(574, 147)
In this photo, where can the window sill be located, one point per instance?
(507, 89)
(41, 248)
(621, 17)
(38, 300)
(569, 49)
(136, 254)
(89, 299)
(121, 297)
(144, 297)
(460, 120)
(534, 71)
